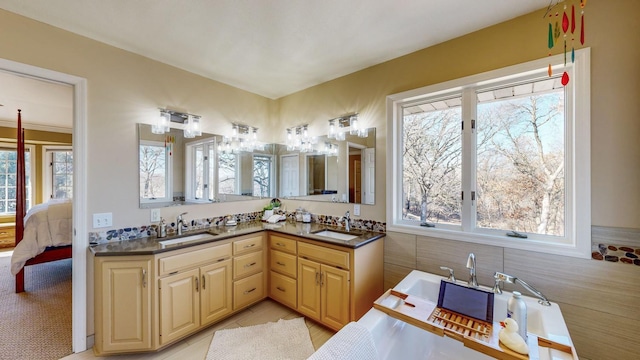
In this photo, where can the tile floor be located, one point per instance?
(196, 346)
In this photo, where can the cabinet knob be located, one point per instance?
(249, 265)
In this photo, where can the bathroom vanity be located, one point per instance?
(150, 293)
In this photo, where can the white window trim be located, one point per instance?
(579, 233)
(169, 178)
(272, 167)
(190, 168)
(47, 170)
(32, 149)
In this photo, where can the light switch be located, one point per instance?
(155, 215)
(102, 220)
(356, 209)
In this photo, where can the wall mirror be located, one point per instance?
(346, 174)
(174, 170)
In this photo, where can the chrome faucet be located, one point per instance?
(471, 265)
(502, 277)
(347, 219)
(180, 223)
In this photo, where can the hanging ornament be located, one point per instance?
(573, 29)
(565, 79)
(582, 28)
(565, 22)
(556, 32)
(550, 46)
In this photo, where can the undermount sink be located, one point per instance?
(336, 235)
(186, 239)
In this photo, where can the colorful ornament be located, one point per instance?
(565, 79)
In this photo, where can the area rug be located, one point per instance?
(282, 340)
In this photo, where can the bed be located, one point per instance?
(43, 234)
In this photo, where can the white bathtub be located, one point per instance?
(395, 339)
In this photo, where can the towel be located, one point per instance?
(353, 342)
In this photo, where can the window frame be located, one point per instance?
(271, 172)
(577, 239)
(47, 168)
(168, 198)
(30, 148)
(209, 147)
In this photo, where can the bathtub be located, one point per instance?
(395, 339)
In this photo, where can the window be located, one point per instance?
(58, 170)
(200, 173)
(155, 172)
(262, 175)
(8, 178)
(227, 173)
(500, 158)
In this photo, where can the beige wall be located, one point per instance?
(124, 89)
(613, 36)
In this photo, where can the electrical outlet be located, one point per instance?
(356, 209)
(155, 215)
(102, 220)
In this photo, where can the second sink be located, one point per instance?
(336, 235)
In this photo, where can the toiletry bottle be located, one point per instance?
(517, 310)
(162, 228)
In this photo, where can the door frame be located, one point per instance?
(80, 235)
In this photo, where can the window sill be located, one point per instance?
(579, 250)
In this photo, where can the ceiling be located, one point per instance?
(271, 47)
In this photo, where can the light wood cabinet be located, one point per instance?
(146, 303)
(323, 293)
(123, 304)
(334, 284)
(179, 305)
(193, 296)
(215, 294)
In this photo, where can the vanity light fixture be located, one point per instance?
(353, 122)
(332, 129)
(191, 123)
(338, 126)
(243, 138)
(298, 139)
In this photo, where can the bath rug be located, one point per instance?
(282, 340)
(353, 342)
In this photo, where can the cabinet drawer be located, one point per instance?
(247, 291)
(282, 244)
(247, 245)
(324, 255)
(192, 259)
(284, 290)
(247, 264)
(284, 263)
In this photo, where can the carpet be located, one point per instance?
(282, 340)
(36, 324)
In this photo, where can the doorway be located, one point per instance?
(80, 243)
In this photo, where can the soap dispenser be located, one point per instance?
(517, 310)
(162, 228)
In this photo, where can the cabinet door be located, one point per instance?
(215, 293)
(126, 305)
(335, 296)
(309, 288)
(283, 289)
(179, 305)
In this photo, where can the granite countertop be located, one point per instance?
(152, 245)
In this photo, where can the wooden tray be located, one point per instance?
(474, 334)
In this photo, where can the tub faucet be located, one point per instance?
(501, 277)
(471, 265)
(180, 223)
(347, 218)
